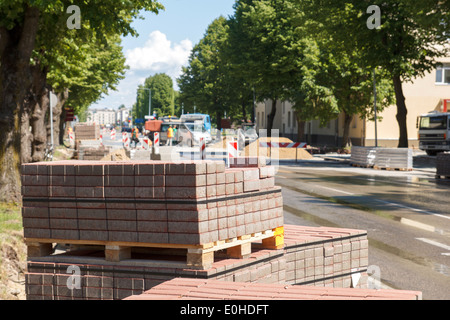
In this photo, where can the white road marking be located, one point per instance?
(414, 209)
(437, 244)
(336, 190)
(417, 224)
(405, 221)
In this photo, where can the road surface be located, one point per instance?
(406, 215)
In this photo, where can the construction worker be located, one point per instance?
(135, 136)
(169, 136)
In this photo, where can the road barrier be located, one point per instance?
(202, 149)
(302, 145)
(125, 140)
(145, 143)
(232, 150)
(294, 145)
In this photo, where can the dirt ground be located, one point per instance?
(12, 254)
(116, 155)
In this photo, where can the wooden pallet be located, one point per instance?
(362, 165)
(197, 257)
(441, 176)
(392, 169)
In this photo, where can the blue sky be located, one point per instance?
(164, 44)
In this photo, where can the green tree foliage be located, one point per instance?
(207, 82)
(162, 97)
(265, 48)
(35, 42)
(405, 45)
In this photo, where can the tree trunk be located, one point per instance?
(219, 119)
(401, 113)
(244, 111)
(58, 120)
(347, 122)
(301, 130)
(271, 117)
(39, 103)
(16, 46)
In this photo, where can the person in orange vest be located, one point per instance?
(169, 136)
(135, 136)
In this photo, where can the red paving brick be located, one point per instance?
(209, 290)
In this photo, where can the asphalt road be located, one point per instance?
(405, 213)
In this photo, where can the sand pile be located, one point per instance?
(254, 149)
(116, 155)
(283, 153)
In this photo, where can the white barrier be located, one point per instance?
(125, 140)
(202, 149)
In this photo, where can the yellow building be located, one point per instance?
(425, 94)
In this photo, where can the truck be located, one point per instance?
(162, 126)
(434, 132)
(195, 117)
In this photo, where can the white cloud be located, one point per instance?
(160, 55)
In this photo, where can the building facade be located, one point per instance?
(428, 93)
(108, 117)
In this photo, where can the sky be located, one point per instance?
(164, 44)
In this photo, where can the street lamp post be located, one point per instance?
(375, 105)
(149, 100)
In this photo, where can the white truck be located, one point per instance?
(434, 132)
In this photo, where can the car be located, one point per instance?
(190, 134)
(126, 129)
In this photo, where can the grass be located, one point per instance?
(12, 250)
(10, 218)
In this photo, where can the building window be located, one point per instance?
(443, 74)
(289, 119)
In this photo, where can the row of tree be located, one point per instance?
(318, 54)
(45, 47)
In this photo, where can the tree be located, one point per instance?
(207, 82)
(28, 30)
(265, 49)
(411, 36)
(162, 96)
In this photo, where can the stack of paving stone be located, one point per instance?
(382, 158)
(311, 256)
(87, 132)
(363, 156)
(87, 153)
(187, 203)
(443, 165)
(393, 158)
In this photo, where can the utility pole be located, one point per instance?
(375, 105)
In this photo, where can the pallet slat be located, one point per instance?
(198, 256)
